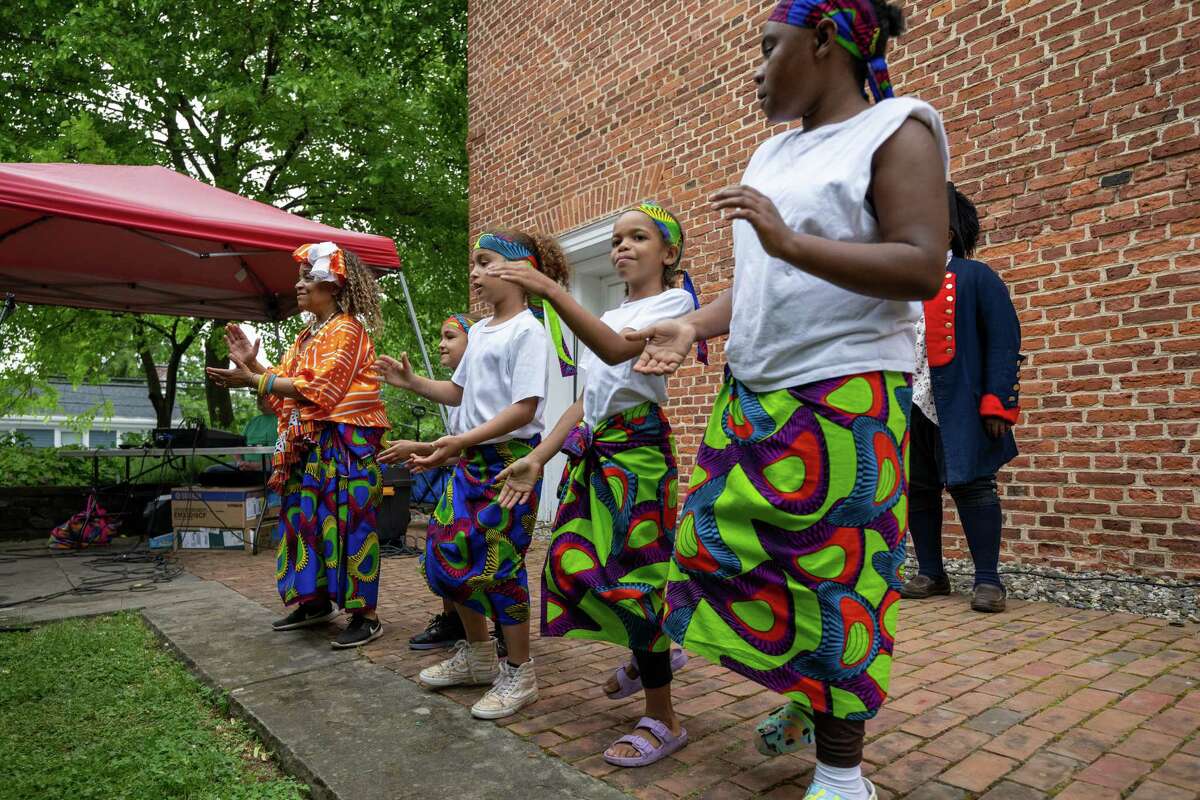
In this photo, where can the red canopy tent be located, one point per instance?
(149, 240)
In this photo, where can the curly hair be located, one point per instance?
(360, 296)
(552, 262)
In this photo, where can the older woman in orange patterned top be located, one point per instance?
(331, 422)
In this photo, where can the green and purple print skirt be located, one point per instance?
(612, 541)
(475, 550)
(328, 543)
(789, 548)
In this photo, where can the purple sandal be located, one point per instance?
(630, 686)
(647, 752)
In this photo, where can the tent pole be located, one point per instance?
(412, 317)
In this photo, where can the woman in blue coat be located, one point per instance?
(965, 402)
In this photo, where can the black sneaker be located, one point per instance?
(501, 647)
(305, 616)
(443, 631)
(360, 631)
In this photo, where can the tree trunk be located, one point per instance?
(162, 409)
(220, 404)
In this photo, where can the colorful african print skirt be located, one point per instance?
(788, 553)
(614, 533)
(475, 550)
(328, 543)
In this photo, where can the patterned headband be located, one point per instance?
(326, 262)
(460, 321)
(665, 221)
(513, 250)
(672, 233)
(858, 31)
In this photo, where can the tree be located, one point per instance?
(353, 113)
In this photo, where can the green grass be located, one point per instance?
(97, 708)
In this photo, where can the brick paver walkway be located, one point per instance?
(1041, 701)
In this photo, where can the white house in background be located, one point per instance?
(131, 413)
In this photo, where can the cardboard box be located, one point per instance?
(212, 538)
(267, 533)
(194, 507)
(164, 541)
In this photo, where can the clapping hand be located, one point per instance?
(518, 478)
(241, 349)
(667, 344)
(398, 373)
(744, 202)
(444, 449)
(401, 450)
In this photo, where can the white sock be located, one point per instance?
(846, 782)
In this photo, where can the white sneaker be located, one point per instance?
(513, 690)
(472, 664)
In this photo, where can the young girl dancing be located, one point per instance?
(475, 551)
(788, 552)
(445, 628)
(612, 540)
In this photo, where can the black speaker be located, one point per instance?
(394, 512)
(157, 516)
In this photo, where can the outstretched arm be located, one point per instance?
(610, 346)
(522, 475)
(512, 418)
(399, 373)
(666, 344)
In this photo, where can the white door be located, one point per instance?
(597, 289)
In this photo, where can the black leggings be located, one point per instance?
(839, 741)
(654, 668)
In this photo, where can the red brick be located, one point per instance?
(911, 771)
(1147, 745)
(1153, 790)
(1045, 771)
(1019, 742)
(1181, 769)
(1115, 772)
(978, 771)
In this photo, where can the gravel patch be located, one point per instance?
(1178, 601)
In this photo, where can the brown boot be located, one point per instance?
(989, 598)
(923, 586)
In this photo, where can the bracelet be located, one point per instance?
(262, 382)
(271, 382)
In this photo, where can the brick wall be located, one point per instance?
(1073, 126)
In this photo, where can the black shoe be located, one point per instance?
(305, 616)
(443, 631)
(501, 646)
(923, 586)
(360, 631)
(989, 598)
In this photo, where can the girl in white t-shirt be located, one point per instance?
(613, 536)
(475, 549)
(445, 629)
(787, 557)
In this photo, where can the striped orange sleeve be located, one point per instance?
(331, 364)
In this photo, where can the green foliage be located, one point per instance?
(95, 709)
(352, 112)
(24, 465)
